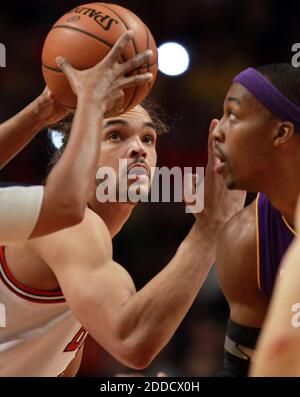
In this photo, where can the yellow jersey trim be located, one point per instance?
(289, 226)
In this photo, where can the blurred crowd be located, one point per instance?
(222, 37)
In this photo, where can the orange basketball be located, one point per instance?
(84, 36)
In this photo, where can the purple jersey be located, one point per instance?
(273, 237)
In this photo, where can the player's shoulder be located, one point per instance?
(91, 232)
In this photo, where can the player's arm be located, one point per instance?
(236, 265)
(98, 90)
(278, 349)
(62, 202)
(20, 129)
(134, 326)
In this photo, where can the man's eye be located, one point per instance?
(114, 137)
(149, 139)
(232, 116)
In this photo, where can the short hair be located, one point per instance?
(285, 78)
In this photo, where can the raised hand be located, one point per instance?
(48, 110)
(104, 82)
(220, 204)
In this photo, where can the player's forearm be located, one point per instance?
(19, 130)
(69, 184)
(75, 172)
(151, 317)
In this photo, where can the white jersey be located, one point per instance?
(39, 335)
(19, 211)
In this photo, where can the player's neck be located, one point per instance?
(284, 191)
(115, 215)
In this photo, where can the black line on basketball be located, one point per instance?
(84, 32)
(51, 68)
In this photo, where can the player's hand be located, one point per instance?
(104, 82)
(220, 204)
(48, 110)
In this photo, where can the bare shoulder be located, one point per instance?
(90, 238)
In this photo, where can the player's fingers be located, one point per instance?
(190, 182)
(133, 63)
(116, 51)
(212, 126)
(138, 79)
(65, 66)
(211, 156)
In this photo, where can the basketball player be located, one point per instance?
(61, 286)
(278, 347)
(258, 143)
(35, 211)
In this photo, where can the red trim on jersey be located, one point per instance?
(35, 292)
(77, 341)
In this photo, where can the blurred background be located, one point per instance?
(222, 37)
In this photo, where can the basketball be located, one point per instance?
(84, 36)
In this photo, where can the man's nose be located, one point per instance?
(218, 134)
(136, 149)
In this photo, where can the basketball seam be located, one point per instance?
(135, 50)
(60, 71)
(150, 65)
(148, 42)
(51, 68)
(83, 31)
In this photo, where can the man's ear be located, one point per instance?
(283, 132)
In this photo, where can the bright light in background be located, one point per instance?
(173, 59)
(56, 138)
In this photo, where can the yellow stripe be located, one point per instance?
(289, 226)
(257, 243)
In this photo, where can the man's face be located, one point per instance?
(131, 137)
(243, 141)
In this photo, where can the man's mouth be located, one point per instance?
(221, 160)
(139, 171)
